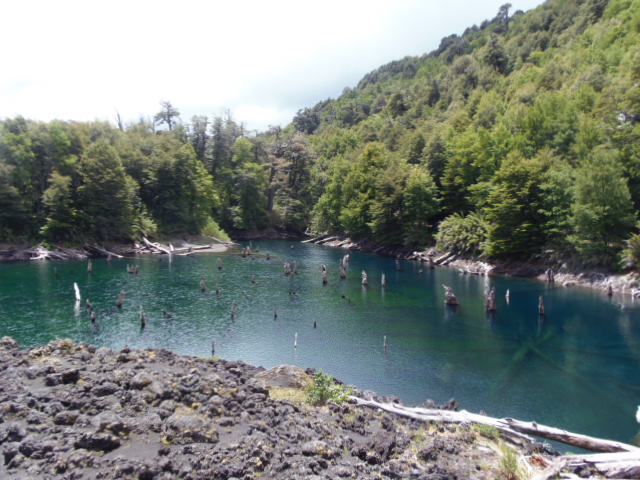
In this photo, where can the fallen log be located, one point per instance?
(226, 244)
(611, 465)
(443, 258)
(155, 246)
(430, 414)
(104, 251)
(326, 240)
(315, 239)
(575, 439)
(42, 253)
(508, 426)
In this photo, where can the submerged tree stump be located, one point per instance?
(449, 297)
(490, 300)
(550, 277)
(120, 299)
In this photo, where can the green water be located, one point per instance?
(579, 369)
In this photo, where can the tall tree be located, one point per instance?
(61, 222)
(198, 136)
(106, 195)
(602, 210)
(420, 206)
(169, 115)
(516, 223)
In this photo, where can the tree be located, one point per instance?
(557, 190)
(198, 136)
(17, 194)
(460, 172)
(106, 194)
(250, 199)
(180, 191)
(385, 205)
(13, 214)
(169, 115)
(420, 206)
(516, 223)
(396, 105)
(306, 121)
(434, 155)
(61, 222)
(359, 190)
(503, 15)
(326, 212)
(495, 56)
(602, 210)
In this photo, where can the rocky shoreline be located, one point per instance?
(627, 283)
(74, 411)
(19, 253)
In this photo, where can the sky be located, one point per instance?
(260, 60)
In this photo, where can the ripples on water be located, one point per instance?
(578, 369)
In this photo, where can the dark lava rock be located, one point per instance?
(72, 411)
(97, 441)
(184, 427)
(65, 417)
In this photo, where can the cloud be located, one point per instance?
(264, 61)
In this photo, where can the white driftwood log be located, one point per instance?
(155, 246)
(611, 465)
(106, 252)
(508, 426)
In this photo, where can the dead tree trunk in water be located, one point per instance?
(449, 297)
(490, 300)
(550, 276)
(120, 299)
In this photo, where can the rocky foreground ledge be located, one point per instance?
(71, 411)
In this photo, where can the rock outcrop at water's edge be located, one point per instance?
(73, 411)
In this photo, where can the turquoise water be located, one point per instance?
(579, 369)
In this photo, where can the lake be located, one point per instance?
(577, 369)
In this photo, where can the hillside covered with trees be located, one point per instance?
(517, 139)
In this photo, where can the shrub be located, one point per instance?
(462, 234)
(487, 431)
(509, 466)
(212, 229)
(325, 389)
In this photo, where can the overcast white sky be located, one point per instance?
(261, 59)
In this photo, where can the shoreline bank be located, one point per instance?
(617, 284)
(19, 253)
(627, 283)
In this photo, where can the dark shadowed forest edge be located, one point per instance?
(517, 140)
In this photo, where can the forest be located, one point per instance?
(518, 139)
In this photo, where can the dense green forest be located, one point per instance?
(516, 139)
